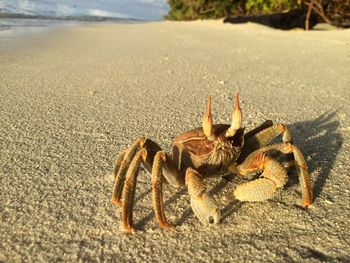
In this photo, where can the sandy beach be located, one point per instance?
(72, 99)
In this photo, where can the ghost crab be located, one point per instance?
(204, 152)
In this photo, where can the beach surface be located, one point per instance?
(71, 100)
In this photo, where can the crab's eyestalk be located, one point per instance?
(236, 119)
(208, 122)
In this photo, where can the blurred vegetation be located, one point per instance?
(336, 12)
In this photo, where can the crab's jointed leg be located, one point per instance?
(158, 163)
(304, 177)
(117, 164)
(266, 124)
(157, 193)
(264, 137)
(202, 204)
(294, 156)
(129, 189)
(274, 174)
(121, 166)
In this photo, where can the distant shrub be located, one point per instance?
(336, 12)
(267, 6)
(204, 9)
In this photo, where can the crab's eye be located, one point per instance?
(239, 142)
(238, 139)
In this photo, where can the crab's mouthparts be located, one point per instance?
(225, 147)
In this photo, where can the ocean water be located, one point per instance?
(122, 9)
(14, 31)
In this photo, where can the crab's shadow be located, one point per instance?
(318, 139)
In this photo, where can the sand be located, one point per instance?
(72, 99)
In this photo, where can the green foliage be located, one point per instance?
(335, 12)
(203, 9)
(200, 9)
(268, 6)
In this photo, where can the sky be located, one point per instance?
(139, 9)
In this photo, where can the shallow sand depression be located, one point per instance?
(71, 100)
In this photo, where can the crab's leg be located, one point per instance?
(121, 166)
(263, 126)
(170, 170)
(129, 190)
(162, 168)
(158, 163)
(304, 177)
(117, 164)
(274, 174)
(264, 137)
(157, 193)
(202, 204)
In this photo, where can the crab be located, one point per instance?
(208, 151)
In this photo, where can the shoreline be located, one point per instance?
(13, 31)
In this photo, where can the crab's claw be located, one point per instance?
(205, 209)
(236, 119)
(203, 205)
